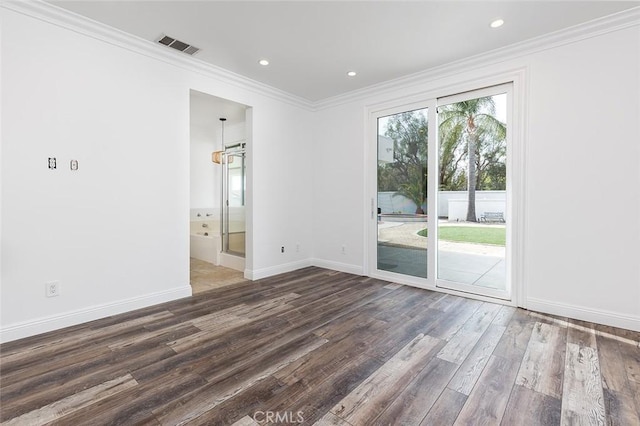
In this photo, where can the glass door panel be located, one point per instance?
(233, 200)
(402, 192)
(473, 214)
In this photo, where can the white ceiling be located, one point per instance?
(206, 111)
(312, 44)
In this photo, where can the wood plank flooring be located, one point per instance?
(327, 348)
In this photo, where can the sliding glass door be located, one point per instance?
(473, 214)
(442, 204)
(402, 140)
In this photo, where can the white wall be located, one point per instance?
(205, 185)
(206, 137)
(115, 233)
(280, 165)
(338, 188)
(390, 201)
(582, 136)
(445, 196)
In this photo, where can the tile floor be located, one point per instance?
(206, 276)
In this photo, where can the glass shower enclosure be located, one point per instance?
(232, 213)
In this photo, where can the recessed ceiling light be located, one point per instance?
(351, 73)
(263, 62)
(497, 23)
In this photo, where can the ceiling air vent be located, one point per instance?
(178, 45)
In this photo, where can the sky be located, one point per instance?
(499, 100)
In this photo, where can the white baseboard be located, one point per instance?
(233, 262)
(337, 266)
(629, 322)
(257, 274)
(55, 322)
(42, 325)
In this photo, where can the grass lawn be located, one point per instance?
(471, 234)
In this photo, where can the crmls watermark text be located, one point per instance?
(278, 416)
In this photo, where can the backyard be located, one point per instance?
(472, 237)
(480, 234)
(471, 253)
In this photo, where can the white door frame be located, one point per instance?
(372, 231)
(468, 288)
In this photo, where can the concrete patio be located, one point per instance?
(402, 250)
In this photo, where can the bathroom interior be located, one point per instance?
(218, 138)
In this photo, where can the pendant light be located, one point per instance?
(216, 156)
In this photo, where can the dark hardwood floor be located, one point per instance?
(322, 347)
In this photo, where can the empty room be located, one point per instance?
(320, 212)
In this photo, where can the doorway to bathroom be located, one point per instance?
(219, 133)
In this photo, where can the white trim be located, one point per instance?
(368, 181)
(594, 28)
(476, 289)
(474, 94)
(58, 16)
(337, 266)
(433, 188)
(409, 280)
(519, 190)
(420, 283)
(629, 322)
(293, 266)
(507, 87)
(373, 113)
(599, 316)
(67, 319)
(55, 15)
(257, 274)
(232, 261)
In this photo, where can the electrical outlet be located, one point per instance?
(282, 249)
(297, 247)
(52, 163)
(344, 250)
(52, 288)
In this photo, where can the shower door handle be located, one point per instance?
(372, 207)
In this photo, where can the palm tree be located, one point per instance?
(414, 187)
(473, 120)
(451, 178)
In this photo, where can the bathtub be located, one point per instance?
(205, 242)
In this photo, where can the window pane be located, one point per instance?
(402, 193)
(472, 197)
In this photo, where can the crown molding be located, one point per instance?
(615, 22)
(58, 16)
(55, 15)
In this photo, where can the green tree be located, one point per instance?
(414, 186)
(474, 121)
(491, 163)
(407, 174)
